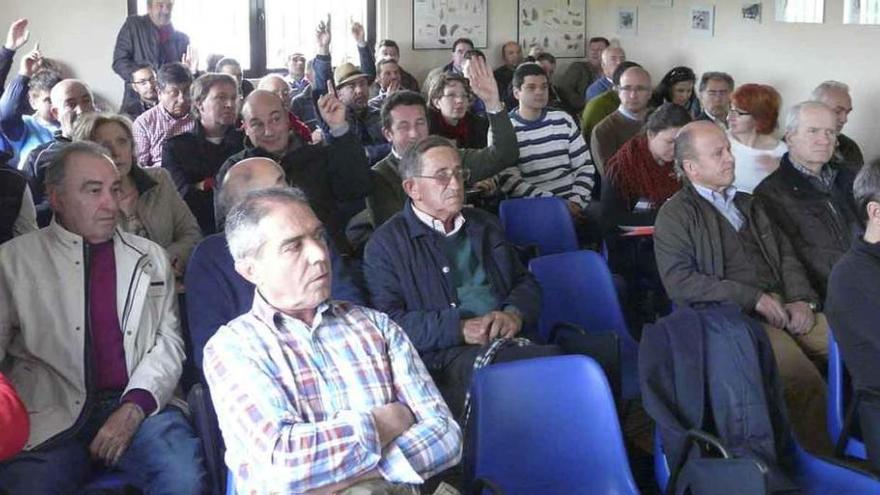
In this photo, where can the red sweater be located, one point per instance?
(14, 425)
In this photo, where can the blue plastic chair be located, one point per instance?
(106, 481)
(836, 413)
(546, 425)
(230, 483)
(577, 288)
(814, 476)
(542, 222)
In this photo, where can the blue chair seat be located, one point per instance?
(835, 398)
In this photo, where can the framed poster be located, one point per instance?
(627, 21)
(751, 11)
(557, 26)
(437, 23)
(702, 21)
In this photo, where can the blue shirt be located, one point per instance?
(723, 202)
(598, 87)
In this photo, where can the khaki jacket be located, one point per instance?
(44, 324)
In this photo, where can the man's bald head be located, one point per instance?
(251, 174)
(702, 155)
(70, 98)
(266, 121)
(276, 84)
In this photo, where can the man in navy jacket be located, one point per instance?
(447, 275)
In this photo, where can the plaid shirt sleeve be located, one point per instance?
(434, 442)
(256, 416)
(141, 135)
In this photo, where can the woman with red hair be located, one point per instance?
(754, 111)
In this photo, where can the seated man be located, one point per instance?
(553, 158)
(447, 275)
(302, 105)
(143, 82)
(548, 62)
(456, 65)
(275, 84)
(231, 67)
(714, 94)
(405, 122)
(388, 81)
(851, 306)
(169, 118)
(634, 91)
(603, 105)
(315, 395)
(836, 95)
(810, 196)
(580, 75)
(296, 73)
(512, 56)
(612, 56)
(714, 244)
(222, 293)
(328, 175)
(194, 158)
(388, 49)
(96, 368)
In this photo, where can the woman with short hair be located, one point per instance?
(449, 114)
(752, 121)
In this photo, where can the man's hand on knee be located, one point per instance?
(476, 330)
(800, 318)
(115, 435)
(503, 324)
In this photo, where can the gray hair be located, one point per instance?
(243, 235)
(866, 187)
(57, 169)
(683, 150)
(202, 86)
(411, 163)
(715, 76)
(828, 87)
(793, 118)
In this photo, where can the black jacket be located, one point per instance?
(819, 224)
(190, 159)
(138, 42)
(12, 184)
(698, 370)
(327, 175)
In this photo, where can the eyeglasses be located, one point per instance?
(143, 82)
(445, 176)
(738, 112)
(457, 96)
(634, 89)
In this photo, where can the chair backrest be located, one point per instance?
(546, 425)
(542, 222)
(836, 399)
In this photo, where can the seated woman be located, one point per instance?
(148, 201)
(677, 86)
(754, 110)
(640, 176)
(448, 114)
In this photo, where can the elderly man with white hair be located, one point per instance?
(836, 95)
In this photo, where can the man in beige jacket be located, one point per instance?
(90, 338)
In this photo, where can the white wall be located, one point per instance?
(80, 34)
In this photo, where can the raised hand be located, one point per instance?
(483, 84)
(18, 35)
(357, 32)
(323, 37)
(190, 59)
(332, 110)
(31, 62)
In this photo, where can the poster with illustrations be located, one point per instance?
(437, 23)
(557, 26)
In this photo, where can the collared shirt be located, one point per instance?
(723, 202)
(294, 401)
(437, 225)
(626, 113)
(152, 128)
(823, 181)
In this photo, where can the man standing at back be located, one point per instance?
(147, 38)
(580, 75)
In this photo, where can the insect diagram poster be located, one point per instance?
(438, 23)
(557, 26)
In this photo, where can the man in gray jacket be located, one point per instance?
(714, 244)
(96, 358)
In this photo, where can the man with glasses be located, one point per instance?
(150, 39)
(553, 157)
(714, 93)
(634, 90)
(448, 276)
(171, 117)
(143, 82)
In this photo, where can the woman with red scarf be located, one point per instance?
(449, 115)
(640, 176)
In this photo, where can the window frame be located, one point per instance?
(257, 13)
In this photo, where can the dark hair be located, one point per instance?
(715, 76)
(174, 73)
(389, 43)
(223, 62)
(462, 40)
(546, 56)
(866, 187)
(623, 67)
(524, 70)
(663, 91)
(597, 39)
(411, 161)
(667, 116)
(202, 86)
(44, 80)
(211, 62)
(440, 83)
(474, 53)
(398, 99)
(385, 61)
(141, 66)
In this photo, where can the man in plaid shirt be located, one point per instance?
(314, 395)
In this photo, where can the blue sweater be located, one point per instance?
(216, 293)
(408, 277)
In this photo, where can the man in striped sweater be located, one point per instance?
(553, 156)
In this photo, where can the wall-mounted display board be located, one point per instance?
(557, 26)
(438, 23)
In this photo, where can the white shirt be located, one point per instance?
(437, 225)
(752, 164)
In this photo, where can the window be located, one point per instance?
(260, 34)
